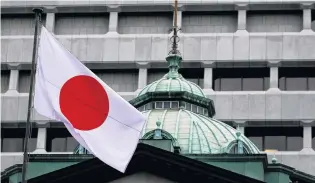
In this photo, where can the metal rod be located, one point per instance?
(175, 13)
(38, 13)
(174, 44)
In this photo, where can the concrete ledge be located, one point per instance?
(130, 48)
(230, 106)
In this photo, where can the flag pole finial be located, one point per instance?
(174, 57)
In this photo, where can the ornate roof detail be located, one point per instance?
(197, 134)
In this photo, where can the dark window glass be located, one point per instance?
(158, 105)
(258, 141)
(297, 79)
(167, 105)
(194, 75)
(194, 108)
(275, 143)
(60, 140)
(311, 83)
(294, 143)
(241, 79)
(313, 135)
(231, 84)
(12, 139)
(5, 79)
(175, 105)
(276, 138)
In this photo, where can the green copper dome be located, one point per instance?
(173, 81)
(167, 84)
(197, 133)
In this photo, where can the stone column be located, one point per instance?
(50, 22)
(242, 16)
(13, 80)
(307, 136)
(307, 16)
(208, 77)
(113, 19)
(41, 140)
(274, 76)
(143, 75)
(50, 18)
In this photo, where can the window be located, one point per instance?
(144, 22)
(175, 105)
(276, 138)
(60, 140)
(313, 137)
(119, 80)
(5, 78)
(194, 75)
(24, 81)
(297, 79)
(241, 79)
(12, 139)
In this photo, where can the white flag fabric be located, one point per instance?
(95, 115)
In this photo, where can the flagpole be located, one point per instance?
(38, 12)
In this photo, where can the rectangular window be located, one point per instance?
(297, 79)
(5, 79)
(313, 137)
(60, 140)
(241, 79)
(144, 22)
(12, 139)
(119, 80)
(24, 81)
(159, 105)
(175, 105)
(167, 105)
(81, 24)
(194, 75)
(276, 138)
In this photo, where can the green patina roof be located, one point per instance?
(196, 133)
(173, 81)
(173, 85)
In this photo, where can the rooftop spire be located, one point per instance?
(174, 57)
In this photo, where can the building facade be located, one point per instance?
(254, 60)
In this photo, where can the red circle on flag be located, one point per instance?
(84, 102)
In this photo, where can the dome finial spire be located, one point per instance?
(174, 57)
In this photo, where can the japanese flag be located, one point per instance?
(95, 115)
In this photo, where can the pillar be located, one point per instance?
(307, 136)
(50, 18)
(13, 80)
(143, 75)
(41, 140)
(113, 19)
(307, 16)
(208, 76)
(274, 76)
(241, 18)
(50, 22)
